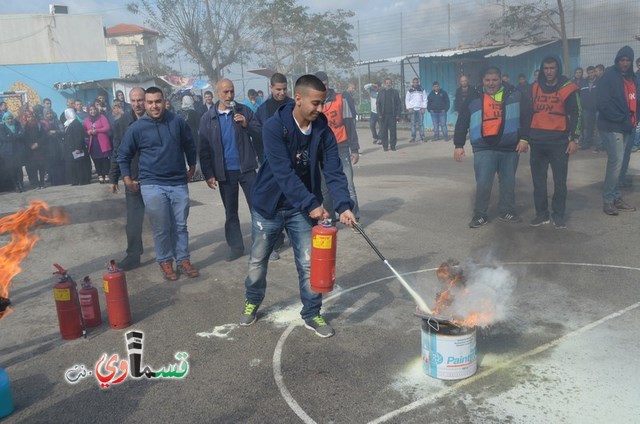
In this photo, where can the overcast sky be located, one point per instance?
(387, 28)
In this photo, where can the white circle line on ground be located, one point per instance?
(297, 409)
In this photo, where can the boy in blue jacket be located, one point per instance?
(299, 146)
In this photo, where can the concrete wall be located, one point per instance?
(31, 39)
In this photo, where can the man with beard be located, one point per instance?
(617, 102)
(389, 108)
(416, 103)
(589, 111)
(554, 135)
(300, 149)
(162, 139)
(134, 203)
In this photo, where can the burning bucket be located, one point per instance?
(448, 351)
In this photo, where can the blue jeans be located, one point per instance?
(636, 137)
(541, 157)
(168, 210)
(613, 143)
(439, 123)
(416, 122)
(347, 168)
(264, 233)
(486, 164)
(373, 120)
(626, 157)
(229, 192)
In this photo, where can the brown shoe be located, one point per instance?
(185, 267)
(168, 272)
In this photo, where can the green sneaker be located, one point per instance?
(249, 313)
(320, 326)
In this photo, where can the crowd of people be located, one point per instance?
(293, 157)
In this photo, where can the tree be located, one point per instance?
(294, 41)
(531, 21)
(213, 33)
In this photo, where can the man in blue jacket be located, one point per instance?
(494, 118)
(228, 159)
(617, 102)
(162, 139)
(300, 148)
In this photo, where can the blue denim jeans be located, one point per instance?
(486, 164)
(626, 157)
(416, 122)
(264, 233)
(373, 120)
(439, 123)
(347, 168)
(541, 157)
(168, 209)
(613, 143)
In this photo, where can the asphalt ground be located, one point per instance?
(566, 353)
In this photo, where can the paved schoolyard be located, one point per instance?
(567, 352)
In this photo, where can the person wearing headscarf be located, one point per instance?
(75, 150)
(12, 149)
(126, 107)
(36, 149)
(97, 127)
(54, 133)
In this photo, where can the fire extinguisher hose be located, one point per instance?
(421, 303)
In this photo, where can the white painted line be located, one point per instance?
(295, 407)
(505, 364)
(277, 375)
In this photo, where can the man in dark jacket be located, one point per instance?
(300, 149)
(494, 117)
(617, 102)
(554, 134)
(134, 203)
(389, 109)
(589, 111)
(162, 139)
(227, 157)
(438, 106)
(279, 97)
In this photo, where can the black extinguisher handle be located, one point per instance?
(362, 233)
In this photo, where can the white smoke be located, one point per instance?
(486, 297)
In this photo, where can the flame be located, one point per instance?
(453, 277)
(22, 241)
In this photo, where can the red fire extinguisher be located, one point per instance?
(115, 290)
(68, 306)
(323, 257)
(90, 304)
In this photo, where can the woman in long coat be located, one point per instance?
(98, 128)
(12, 149)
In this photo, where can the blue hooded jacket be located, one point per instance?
(162, 145)
(611, 101)
(277, 176)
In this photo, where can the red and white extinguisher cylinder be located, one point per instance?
(115, 291)
(90, 304)
(68, 309)
(323, 257)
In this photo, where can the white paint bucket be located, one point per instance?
(448, 351)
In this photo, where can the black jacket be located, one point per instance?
(395, 102)
(438, 102)
(119, 128)
(212, 150)
(614, 114)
